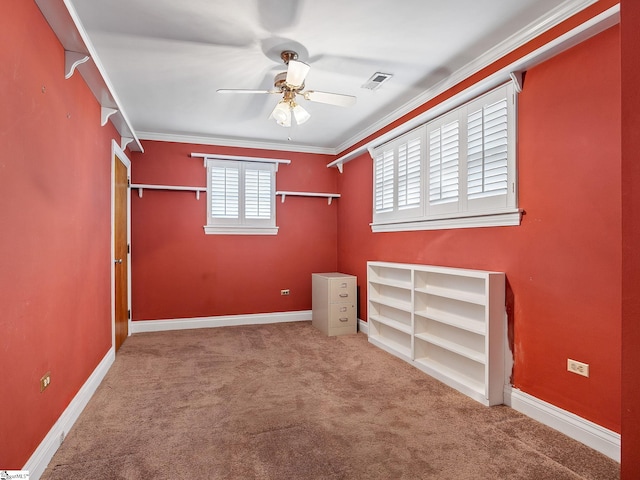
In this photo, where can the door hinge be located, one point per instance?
(128, 248)
(128, 314)
(128, 181)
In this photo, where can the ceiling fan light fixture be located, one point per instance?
(300, 114)
(282, 114)
(296, 73)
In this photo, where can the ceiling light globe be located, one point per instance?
(282, 114)
(300, 114)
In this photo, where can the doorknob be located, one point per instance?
(117, 260)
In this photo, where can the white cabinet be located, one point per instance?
(448, 322)
(334, 303)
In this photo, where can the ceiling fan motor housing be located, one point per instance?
(288, 55)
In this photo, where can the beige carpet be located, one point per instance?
(285, 402)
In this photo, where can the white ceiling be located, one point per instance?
(166, 59)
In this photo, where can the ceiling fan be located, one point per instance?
(291, 83)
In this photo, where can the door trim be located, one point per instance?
(117, 154)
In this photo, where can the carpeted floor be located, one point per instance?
(283, 401)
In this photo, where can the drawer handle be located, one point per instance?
(344, 319)
(344, 295)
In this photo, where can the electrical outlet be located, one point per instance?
(579, 368)
(45, 381)
(284, 291)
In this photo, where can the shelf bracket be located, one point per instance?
(124, 141)
(71, 61)
(283, 195)
(517, 80)
(105, 113)
(340, 169)
(140, 192)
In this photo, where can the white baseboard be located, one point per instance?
(363, 327)
(220, 321)
(38, 462)
(591, 434)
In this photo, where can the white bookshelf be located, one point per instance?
(448, 322)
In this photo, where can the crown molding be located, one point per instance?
(517, 40)
(229, 142)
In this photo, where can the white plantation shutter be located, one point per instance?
(258, 194)
(384, 179)
(240, 197)
(409, 184)
(487, 151)
(444, 163)
(398, 176)
(225, 191)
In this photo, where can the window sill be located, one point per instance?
(498, 219)
(232, 230)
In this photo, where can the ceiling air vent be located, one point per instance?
(376, 80)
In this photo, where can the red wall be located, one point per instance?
(55, 245)
(563, 263)
(179, 272)
(630, 39)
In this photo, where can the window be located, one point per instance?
(456, 171)
(240, 197)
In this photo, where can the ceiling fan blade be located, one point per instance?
(330, 98)
(296, 73)
(240, 90)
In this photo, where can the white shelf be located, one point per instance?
(395, 348)
(452, 347)
(328, 196)
(391, 283)
(474, 326)
(402, 327)
(382, 272)
(453, 378)
(390, 302)
(468, 297)
(448, 322)
(142, 186)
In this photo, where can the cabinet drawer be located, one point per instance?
(342, 290)
(342, 315)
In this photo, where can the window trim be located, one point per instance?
(239, 230)
(506, 213)
(506, 218)
(241, 225)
